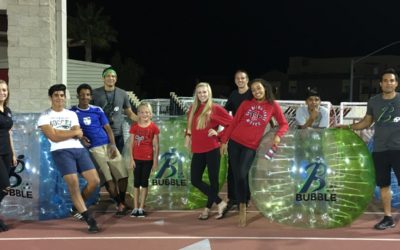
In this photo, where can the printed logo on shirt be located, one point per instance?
(87, 121)
(61, 123)
(256, 115)
(138, 139)
(389, 116)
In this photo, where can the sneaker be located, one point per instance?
(386, 222)
(74, 213)
(135, 212)
(141, 213)
(3, 227)
(92, 226)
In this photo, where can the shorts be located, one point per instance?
(109, 167)
(384, 163)
(72, 160)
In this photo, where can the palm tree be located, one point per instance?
(91, 29)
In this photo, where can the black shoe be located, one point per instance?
(229, 206)
(141, 213)
(135, 213)
(386, 222)
(3, 227)
(74, 213)
(232, 205)
(121, 212)
(92, 226)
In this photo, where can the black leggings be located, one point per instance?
(141, 173)
(241, 159)
(5, 164)
(199, 162)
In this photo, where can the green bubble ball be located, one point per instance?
(318, 178)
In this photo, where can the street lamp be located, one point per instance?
(354, 61)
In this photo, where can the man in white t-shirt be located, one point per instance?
(313, 115)
(61, 127)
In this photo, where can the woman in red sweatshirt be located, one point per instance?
(245, 134)
(204, 117)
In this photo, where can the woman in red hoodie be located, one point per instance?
(245, 134)
(204, 117)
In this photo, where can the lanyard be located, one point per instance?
(112, 100)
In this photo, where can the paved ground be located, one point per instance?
(180, 229)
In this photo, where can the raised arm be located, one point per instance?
(131, 115)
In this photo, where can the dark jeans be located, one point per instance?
(241, 159)
(210, 159)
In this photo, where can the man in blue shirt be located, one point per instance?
(98, 137)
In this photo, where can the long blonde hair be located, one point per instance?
(204, 116)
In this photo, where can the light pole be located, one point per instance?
(354, 61)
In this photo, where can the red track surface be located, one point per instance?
(179, 229)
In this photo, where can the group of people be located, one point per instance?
(212, 130)
(90, 130)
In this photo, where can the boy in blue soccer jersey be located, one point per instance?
(98, 137)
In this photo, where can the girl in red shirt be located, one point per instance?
(245, 134)
(144, 156)
(204, 117)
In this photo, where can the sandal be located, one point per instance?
(221, 210)
(204, 215)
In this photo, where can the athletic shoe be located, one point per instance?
(74, 213)
(92, 226)
(386, 222)
(141, 213)
(135, 212)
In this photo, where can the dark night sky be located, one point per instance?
(177, 42)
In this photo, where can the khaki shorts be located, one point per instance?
(109, 167)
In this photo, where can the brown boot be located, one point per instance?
(242, 215)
